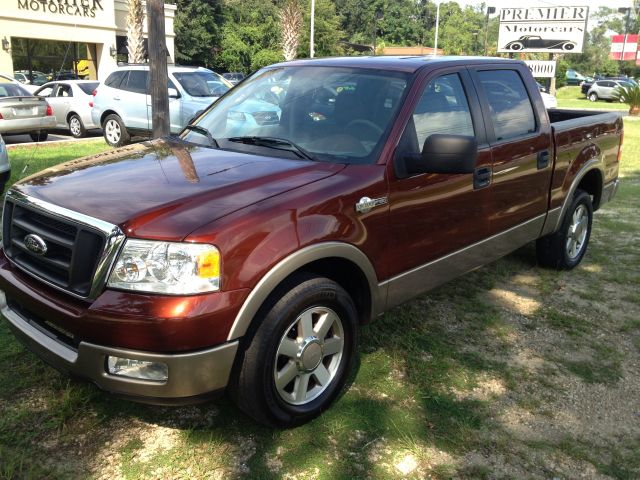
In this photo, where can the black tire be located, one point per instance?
(253, 384)
(114, 131)
(553, 251)
(593, 96)
(39, 136)
(76, 127)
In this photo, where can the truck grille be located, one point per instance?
(75, 251)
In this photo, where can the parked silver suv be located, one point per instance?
(122, 105)
(603, 89)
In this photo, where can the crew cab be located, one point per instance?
(246, 252)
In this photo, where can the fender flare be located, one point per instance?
(593, 164)
(294, 262)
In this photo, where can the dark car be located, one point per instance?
(535, 41)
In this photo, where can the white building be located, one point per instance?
(87, 37)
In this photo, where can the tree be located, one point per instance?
(327, 31)
(197, 27)
(290, 26)
(135, 39)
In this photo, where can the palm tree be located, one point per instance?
(629, 94)
(290, 25)
(135, 40)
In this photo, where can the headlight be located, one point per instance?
(167, 267)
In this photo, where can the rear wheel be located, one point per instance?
(76, 127)
(115, 133)
(564, 249)
(593, 96)
(39, 136)
(298, 359)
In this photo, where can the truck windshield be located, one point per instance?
(332, 114)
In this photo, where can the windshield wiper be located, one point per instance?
(203, 131)
(276, 143)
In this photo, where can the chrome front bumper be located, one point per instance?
(190, 374)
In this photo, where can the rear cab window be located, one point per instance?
(509, 103)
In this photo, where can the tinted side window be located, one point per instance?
(137, 81)
(114, 79)
(509, 103)
(443, 109)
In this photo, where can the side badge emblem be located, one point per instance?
(35, 244)
(366, 204)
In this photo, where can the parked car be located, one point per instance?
(574, 78)
(537, 42)
(23, 77)
(64, 75)
(71, 102)
(549, 100)
(233, 77)
(604, 89)
(5, 166)
(122, 105)
(586, 85)
(249, 259)
(21, 112)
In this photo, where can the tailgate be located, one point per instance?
(12, 108)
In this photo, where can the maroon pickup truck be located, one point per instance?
(246, 252)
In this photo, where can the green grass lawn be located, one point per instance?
(571, 97)
(28, 159)
(511, 371)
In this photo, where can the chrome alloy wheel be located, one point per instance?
(112, 131)
(577, 232)
(74, 126)
(309, 355)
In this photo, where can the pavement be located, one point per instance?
(54, 136)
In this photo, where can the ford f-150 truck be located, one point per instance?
(245, 253)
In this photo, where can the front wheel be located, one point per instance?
(115, 133)
(298, 359)
(564, 249)
(593, 96)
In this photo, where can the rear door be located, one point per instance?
(519, 133)
(61, 103)
(133, 99)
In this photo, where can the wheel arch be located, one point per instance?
(589, 178)
(341, 262)
(106, 113)
(70, 114)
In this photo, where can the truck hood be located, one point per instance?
(166, 189)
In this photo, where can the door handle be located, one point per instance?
(543, 159)
(481, 177)
(116, 98)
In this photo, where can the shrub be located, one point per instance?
(629, 94)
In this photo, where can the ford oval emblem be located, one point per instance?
(35, 244)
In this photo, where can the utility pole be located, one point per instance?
(435, 48)
(312, 51)
(158, 76)
(490, 10)
(626, 10)
(378, 16)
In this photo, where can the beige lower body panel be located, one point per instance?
(410, 284)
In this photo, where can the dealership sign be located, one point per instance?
(78, 8)
(542, 68)
(543, 29)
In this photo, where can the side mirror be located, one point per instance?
(173, 93)
(196, 115)
(444, 154)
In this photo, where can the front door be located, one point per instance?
(434, 215)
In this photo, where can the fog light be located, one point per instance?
(129, 367)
